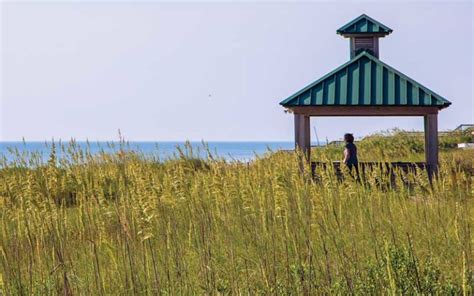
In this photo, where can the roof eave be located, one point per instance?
(440, 107)
(289, 108)
(445, 105)
(363, 34)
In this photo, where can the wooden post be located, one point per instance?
(303, 135)
(431, 143)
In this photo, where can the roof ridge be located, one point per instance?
(344, 29)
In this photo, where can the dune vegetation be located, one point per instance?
(124, 223)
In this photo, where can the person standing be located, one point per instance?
(350, 154)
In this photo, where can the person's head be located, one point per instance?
(348, 138)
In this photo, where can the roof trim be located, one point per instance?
(344, 29)
(287, 102)
(366, 110)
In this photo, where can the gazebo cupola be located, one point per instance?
(364, 33)
(366, 86)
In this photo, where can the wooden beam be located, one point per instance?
(303, 135)
(364, 110)
(352, 48)
(376, 47)
(431, 143)
(352, 35)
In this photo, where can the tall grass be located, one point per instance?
(125, 224)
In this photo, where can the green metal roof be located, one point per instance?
(363, 25)
(365, 81)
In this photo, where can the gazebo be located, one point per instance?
(365, 86)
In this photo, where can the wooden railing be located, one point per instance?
(388, 167)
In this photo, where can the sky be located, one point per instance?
(213, 71)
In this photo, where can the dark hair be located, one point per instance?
(349, 138)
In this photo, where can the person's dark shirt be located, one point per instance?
(352, 150)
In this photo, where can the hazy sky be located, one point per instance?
(208, 70)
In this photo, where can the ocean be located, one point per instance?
(242, 151)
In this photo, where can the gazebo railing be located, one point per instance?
(388, 167)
